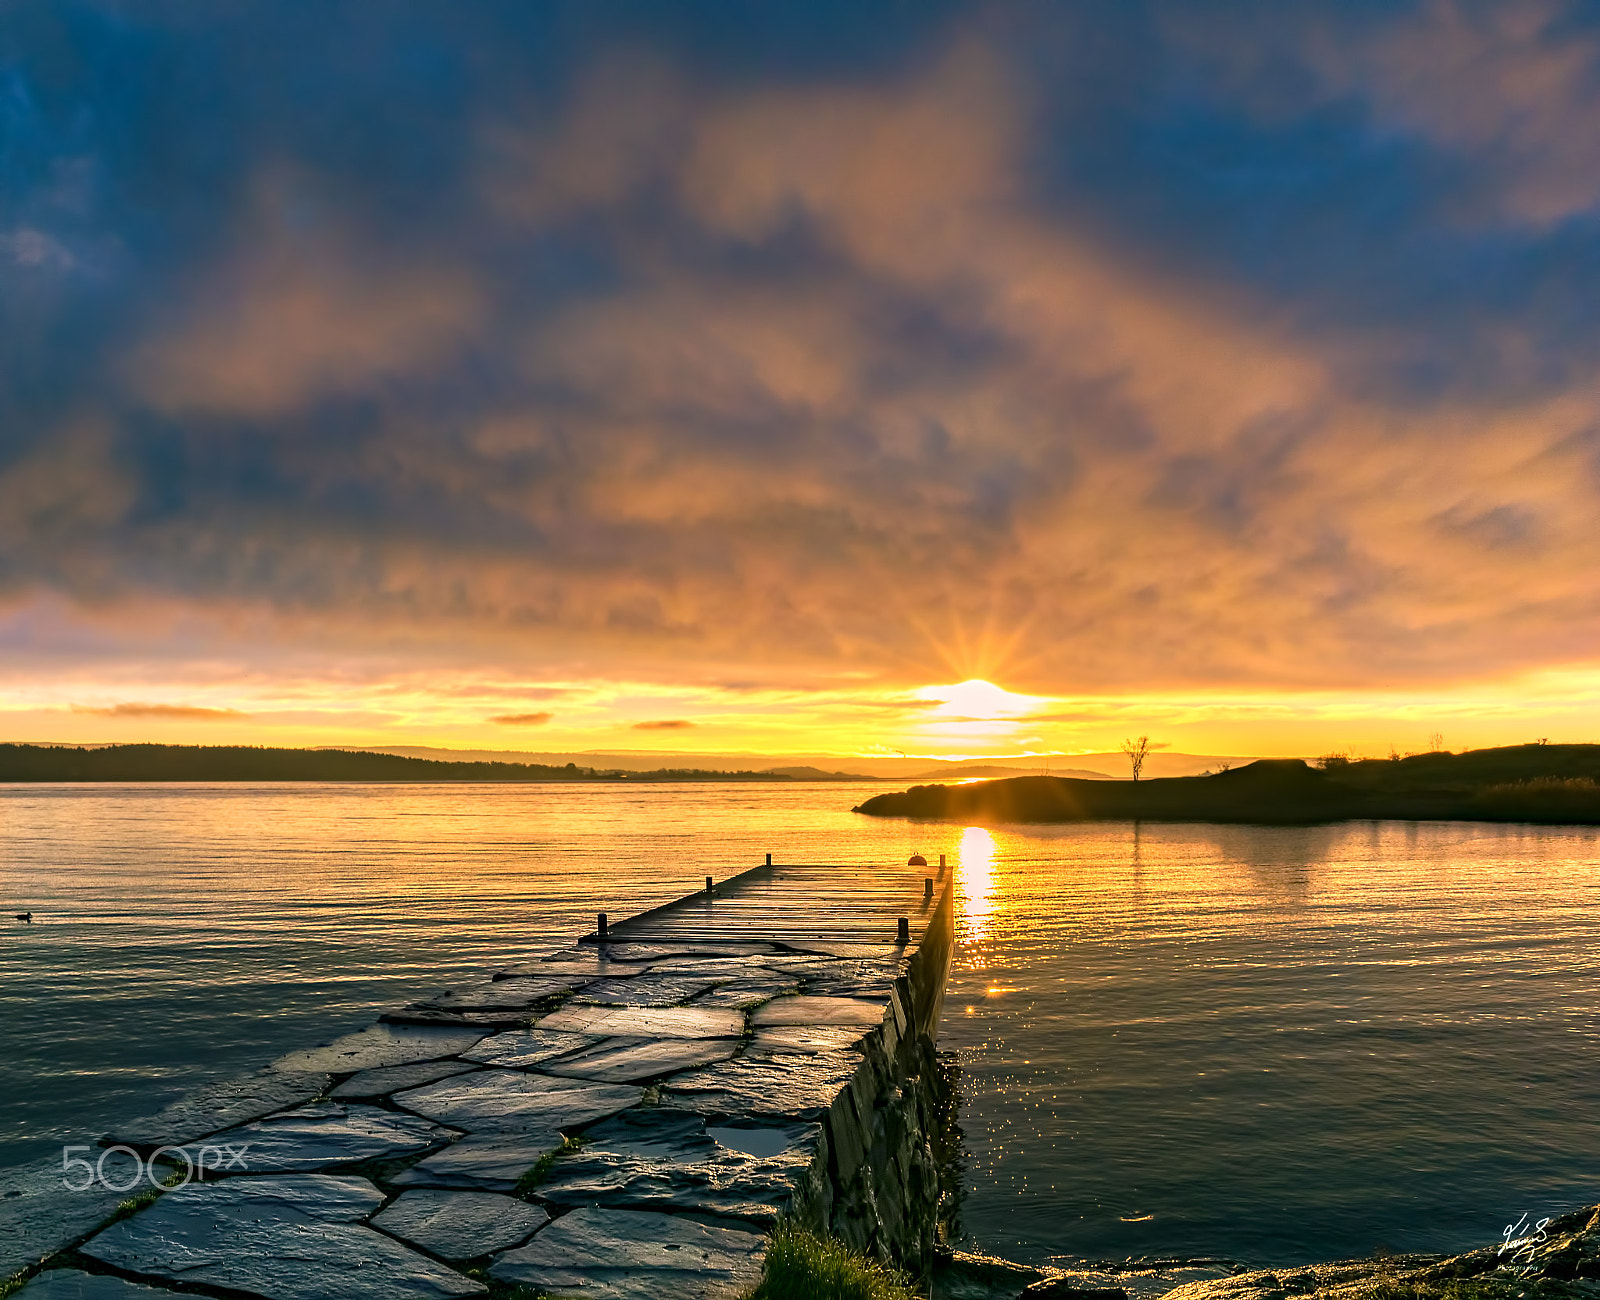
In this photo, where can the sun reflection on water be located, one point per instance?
(975, 881)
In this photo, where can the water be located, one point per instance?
(1273, 1044)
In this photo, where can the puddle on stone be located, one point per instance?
(759, 1142)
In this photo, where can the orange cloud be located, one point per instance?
(522, 719)
(181, 712)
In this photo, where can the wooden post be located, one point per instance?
(905, 930)
(769, 859)
(941, 862)
(708, 886)
(927, 887)
(600, 927)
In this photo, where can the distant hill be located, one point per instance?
(803, 773)
(1535, 783)
(27, 763)
(987, 771)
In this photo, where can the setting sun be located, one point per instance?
(978, 701)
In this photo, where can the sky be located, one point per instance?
(757, 377)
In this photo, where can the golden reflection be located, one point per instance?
(975, 878)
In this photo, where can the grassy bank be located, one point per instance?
(1524, 783)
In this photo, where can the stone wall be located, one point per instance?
(875, 1181)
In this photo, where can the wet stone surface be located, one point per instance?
(742, 994)
(39, 1214)
(328, 1135)
(507, 1101)
(820, 1011)
(783, 1086)
(657, 990)
(460, 1225)
(380, 1083)
(662, 1159)
(647, 1022)
(70, 1284)
(492, 1163)
(294, 1237)
(518, 993)
(633, 1060)
(382, 1045)
(220, 1106)
(631, 1255)
(520, 1048)
(807, 1038)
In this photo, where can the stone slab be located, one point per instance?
(588, 964)
(519, 1048)
(492, 1162)
(39, 1215)
(661, 1159)
(720, 967)
(483, 1021)
(785, 1087)
(71, 1284)
(745, 994)
(647, 1022)
(517, 993)
(655, 990)
(820, 1011)
(328, 1135)
(655, 952)
(392, 1078)
(801, 1039)
(507, 1101)
(219, 1106)
(633, 1060)
(460, 1225)
(634, 1255)
(381, 1045)
(293, 1237)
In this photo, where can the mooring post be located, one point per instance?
(905, 930)
(769, 859)
(600, 927)
(927, 887)
(708, 886)
(941, 864)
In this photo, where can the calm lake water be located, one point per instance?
(1276, 1045)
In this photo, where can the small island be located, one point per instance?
(1518, 783)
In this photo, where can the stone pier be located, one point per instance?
(623, 1119)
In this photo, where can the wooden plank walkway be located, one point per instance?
(795, 903)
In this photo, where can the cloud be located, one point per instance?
(522, 719)
(665, 724)
(176, 712)
(883, 367)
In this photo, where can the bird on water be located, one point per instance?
(25, 916)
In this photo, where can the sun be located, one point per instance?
(977, 700)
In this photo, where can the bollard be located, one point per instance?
(708, 886)
(941, 862)
(905, 930)
(769, 859)
(927, 887)
(600, 927)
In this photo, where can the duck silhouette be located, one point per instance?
(25, 916)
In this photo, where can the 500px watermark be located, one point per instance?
(160, 1170)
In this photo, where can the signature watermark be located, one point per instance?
(1518, 1246)
(160, 1170)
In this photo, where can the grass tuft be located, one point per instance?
(11, 1285)
(803, 1266)
(1489, 1287)
(538, 1173)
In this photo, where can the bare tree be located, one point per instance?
(1137, 750)
(1435, 742)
